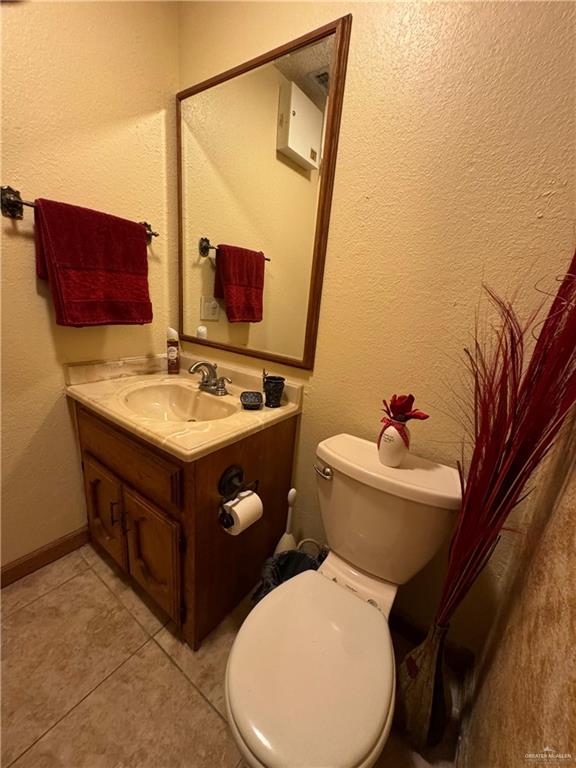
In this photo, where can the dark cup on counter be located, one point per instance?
(273, 388)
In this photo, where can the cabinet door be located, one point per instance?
(154, 552)
(104, 503)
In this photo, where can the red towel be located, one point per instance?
(239, 280)
(96, 265)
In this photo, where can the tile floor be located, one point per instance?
(92, 679)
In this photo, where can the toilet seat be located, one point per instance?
(311, 677)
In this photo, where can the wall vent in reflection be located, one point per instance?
(322, 78)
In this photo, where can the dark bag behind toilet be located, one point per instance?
(284, 566)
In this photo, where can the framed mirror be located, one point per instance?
(256, 161)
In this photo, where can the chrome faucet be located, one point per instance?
(210, 381)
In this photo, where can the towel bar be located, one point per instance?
(12, 207)
(204, 248)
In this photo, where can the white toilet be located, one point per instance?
(310, 680)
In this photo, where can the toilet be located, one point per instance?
(310, 681)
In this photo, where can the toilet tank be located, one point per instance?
(387, 521)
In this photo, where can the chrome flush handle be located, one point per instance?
(324, 472)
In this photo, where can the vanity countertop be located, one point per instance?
(102, 388)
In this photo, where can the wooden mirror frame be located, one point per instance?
(341, 31)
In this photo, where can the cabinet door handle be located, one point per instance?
(146, 572)
(97, 519)
(113, 520)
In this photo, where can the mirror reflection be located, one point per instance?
(251, 154)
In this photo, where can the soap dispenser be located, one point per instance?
(173, 351)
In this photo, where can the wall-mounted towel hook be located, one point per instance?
(231, 483)
(12, 207)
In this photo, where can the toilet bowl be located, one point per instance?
(310, 680)
(327, 661)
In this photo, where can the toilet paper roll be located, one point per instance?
(245, 509)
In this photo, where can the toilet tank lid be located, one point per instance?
(417, 479)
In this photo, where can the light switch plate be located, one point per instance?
(209, 308)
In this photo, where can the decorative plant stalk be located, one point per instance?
(518, 411)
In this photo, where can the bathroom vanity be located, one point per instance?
(151, 480)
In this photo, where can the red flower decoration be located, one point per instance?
(401, 408)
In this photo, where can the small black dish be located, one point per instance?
(251, 401)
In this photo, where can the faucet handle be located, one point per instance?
(221, 385)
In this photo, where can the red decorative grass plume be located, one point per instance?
(518, 410)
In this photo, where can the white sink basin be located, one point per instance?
(167, 401)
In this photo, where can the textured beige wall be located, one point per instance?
(236, 190)
(529, 661)
(455, 165)
(87, 118)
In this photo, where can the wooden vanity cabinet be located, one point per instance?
(156, 517)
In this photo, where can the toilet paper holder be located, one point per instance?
(230, 484)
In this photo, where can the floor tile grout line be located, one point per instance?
(192, 683)
(125, 607)
(56, 586)
(172, 661)
(90, 567)
(149, 637)
(90, 692)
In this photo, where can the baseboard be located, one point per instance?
(43, 556)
